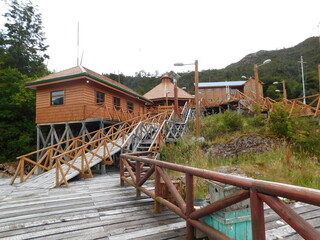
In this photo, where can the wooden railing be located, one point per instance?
(258, 191)
(298, 107)
(78, 112)
(54, 157)
(110, 113)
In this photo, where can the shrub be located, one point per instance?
(232, 121)
(279, 124)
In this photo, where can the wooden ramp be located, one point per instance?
(48, 179)
(93, 208)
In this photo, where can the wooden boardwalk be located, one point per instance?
(98, 208)
(95, 208)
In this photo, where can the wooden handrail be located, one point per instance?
(99, 138)
(257, 190)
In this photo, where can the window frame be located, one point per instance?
(100, 100)
(130, 106)
(117, 103)
(57, 97)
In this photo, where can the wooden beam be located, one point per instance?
(293, 219)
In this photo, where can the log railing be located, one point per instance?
(258, 191)
(105, 138)
(297, 106)
(111, 113)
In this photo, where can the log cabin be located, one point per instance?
(78, 100)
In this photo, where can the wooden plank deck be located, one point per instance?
(95, 208)
(98, 208)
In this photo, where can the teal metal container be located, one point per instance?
(234, 224)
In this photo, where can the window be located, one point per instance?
(218, 89)
(209, 89)
(130, 106)
(116, 102)
(99, 98)
(200, 91)
(249, 88)
(233, 91)
(57, 97)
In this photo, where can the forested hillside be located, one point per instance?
(284, 66)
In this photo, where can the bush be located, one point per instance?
(307, 137)
(232, 121)
(279, 124)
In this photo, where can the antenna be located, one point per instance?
(81, 57)
(78, 45)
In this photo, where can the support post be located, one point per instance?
(257, 216)
(121, 171)
(190, 205)
(138, 176)
(157, 190)
(38, 171)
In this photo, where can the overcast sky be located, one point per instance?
(126, 36)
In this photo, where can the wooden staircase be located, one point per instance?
(63, 161)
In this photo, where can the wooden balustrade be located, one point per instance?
(105, 138)
(258, 191)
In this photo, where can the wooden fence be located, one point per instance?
(259, 192)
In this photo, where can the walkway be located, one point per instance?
(98, 208)
(94, 208)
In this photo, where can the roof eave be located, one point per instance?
(30, 84)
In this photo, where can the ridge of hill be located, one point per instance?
(283, 67)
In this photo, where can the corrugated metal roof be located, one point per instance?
(222, 84)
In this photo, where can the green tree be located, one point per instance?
(16, 116)
(23, 39)
(22, 53)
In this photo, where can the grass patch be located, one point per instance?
(302, 135)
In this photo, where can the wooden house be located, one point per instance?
(78, 93)
(215, 93)
(77, 100)
(163, 93)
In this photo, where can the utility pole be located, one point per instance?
(256, 80)
(319, 76)
(302, 78)
(196, 87)
(284, 90)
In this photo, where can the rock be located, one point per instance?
(241, 145)
(199, 139)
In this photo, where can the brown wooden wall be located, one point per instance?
(250, 86)
(80, 103)
(212, 93)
